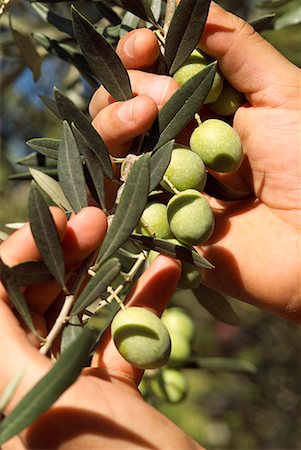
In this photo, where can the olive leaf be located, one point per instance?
(47, 390)
(30, 273)
(71, 113)
(70, 170)
(45, 146)
(9, 281)
(61, 23)
(51, 105)
(37, 160)
(184, 32)
(221, 191)
(28, 52)
(52, 188)
(71, 332)
(102, 58)
(104, 276)
(175, 251)
(140, 8)
(11, 389)
(226, 365)
(107, 12)
(45, 235)
(129, 22)
(27, 175)
(216, 304)
(130, 207)
(159, 163)
(181, 108)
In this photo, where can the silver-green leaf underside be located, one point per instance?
(52, 188)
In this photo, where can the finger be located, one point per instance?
(159, 87)
(138, 49)
(245, 58)
(127, 120)
(153, 291)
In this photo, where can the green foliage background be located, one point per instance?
(223, 410)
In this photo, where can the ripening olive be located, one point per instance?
(170, 385)
(190, 217)
(153, 221)
(228, 102)
(186, 170)
(141, 337)
(218, 144)
(178, 321)
(196, 62)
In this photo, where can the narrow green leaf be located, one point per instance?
(173, 250)
(221, 191)
(102, 58)
(262, 23)
(28, 176)
(51, 105)
(216, 304)
(129, 22)
(11, 389)
(93, 165)
(181, 108)
(71, 332)
(46, 391)
(10, 283)
(71, 113)
(35, 159)
(132, 203)
(28, 52)
(185, 31)
(226, 365)
(107, 12)
(140, 8)
(70, 170)
(31, 272)
(159, 163)
(60, 22)
(45, 235)
(52, 188)
(45, 146)
(104, 276)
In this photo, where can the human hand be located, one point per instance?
(256, 244)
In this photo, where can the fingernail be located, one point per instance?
(129, 46)
(158, 89)
(126, 111)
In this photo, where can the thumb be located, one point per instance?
(248, 62)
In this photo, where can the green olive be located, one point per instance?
(180, 350)
(141, 337)
(178, 321)
(218, 144)
(190, 217)
(170, 385)
(153, 221)
(195, 64)
(228, 101)
(186, 170)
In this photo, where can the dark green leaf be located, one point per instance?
(140, 8)
(46, 391)
(60, 22)
(45, 235)
(93, 165)
(104, 276)
(215, 303)
(159, 163)
(262, 23)
(181, 108)
(175, 251)
(185, 31)
(46, 146)
(70, 170)
(52, 188)
(132, 203)
(28, 52)
(31, 272)
(37, 160)
(226, 365)
(221, 191)
(107, 12)
(51, 105)
(102, 58)
(71, 332)
(102, 319)
(71, 113)
(9, 281)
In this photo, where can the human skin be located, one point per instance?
(255, 247)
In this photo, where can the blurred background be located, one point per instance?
(224, 409)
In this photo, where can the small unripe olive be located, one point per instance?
(186, 170)
(170, 385)
(228, 101)
(180, 350)
(178, 321)
(195, 64)
(141, 337)
(153, 221)
(190, 217)
(218, 144)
